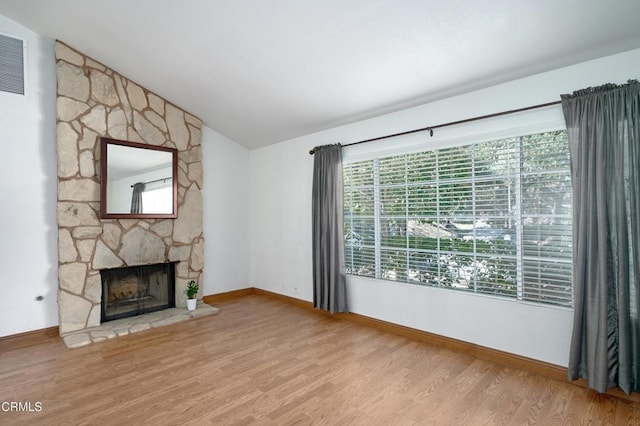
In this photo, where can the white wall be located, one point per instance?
(281, 177)
(226, 214)
(28, 241)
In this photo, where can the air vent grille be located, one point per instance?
(11, 65)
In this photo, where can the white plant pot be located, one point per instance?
(191, 304)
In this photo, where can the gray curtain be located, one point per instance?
(329, 277)
(603, 130)
(136, 198)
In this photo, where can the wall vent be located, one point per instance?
(11, 65)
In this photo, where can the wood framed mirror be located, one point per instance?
(137, 181)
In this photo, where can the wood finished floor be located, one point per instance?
(261, 361)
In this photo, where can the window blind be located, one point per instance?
(490, 218)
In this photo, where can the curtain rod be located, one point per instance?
(451, 123)
(157, 180)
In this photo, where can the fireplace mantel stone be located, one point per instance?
(131, 325)
(94, 101)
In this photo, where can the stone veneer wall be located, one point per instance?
(94, 101)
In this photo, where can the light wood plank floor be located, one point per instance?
(261, 361)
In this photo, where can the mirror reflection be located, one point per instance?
(139, 180)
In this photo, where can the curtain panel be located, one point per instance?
(136, 198)
(603, 128)
(329, 273)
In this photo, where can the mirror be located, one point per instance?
(137, 180)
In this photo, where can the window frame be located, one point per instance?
(416, 143)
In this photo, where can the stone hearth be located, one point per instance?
(124, 326)
(94, 101)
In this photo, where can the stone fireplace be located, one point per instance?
(94, 101)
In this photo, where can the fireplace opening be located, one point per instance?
(136, 290)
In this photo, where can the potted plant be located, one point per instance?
(192, 290)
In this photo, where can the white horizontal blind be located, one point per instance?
(359, 223)
(546, 219)
(491, 218)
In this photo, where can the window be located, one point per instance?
(491, 218)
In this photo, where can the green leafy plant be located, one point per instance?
(192, 289)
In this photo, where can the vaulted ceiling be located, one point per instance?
(263, 71)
